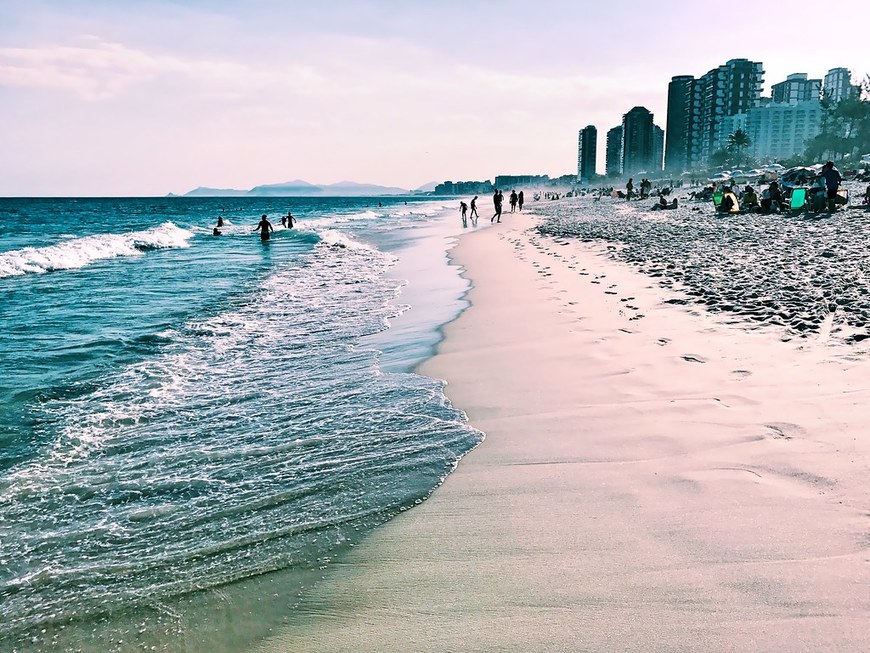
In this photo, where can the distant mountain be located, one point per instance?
(427, 188)
(301, 188)
(296, 187)
(202, 191)
(353, 189)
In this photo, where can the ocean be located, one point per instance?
(183, 413)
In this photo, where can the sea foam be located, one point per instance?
(79, 252)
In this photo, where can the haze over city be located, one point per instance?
(146, 98)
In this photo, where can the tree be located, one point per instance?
(737, 142)
(845, 128)
(720, 158)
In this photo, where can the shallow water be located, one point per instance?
(182, 411)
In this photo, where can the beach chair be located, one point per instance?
(798, 199)
(843, 197)
(735, 203)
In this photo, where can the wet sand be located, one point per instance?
(655, 477)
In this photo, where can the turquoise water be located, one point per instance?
(180, 411)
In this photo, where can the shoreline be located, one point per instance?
(651, 480)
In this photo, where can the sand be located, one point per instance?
(654, 478)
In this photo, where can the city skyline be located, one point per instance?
(166, 96)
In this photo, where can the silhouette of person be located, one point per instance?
(264, 227)
(220, 222)
(497, 200)
(463, 209)
(215, 232)
(520, 200)
(832, 183)
(513, 201)
(289, 220)
(474, 214)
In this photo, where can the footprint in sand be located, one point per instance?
(661, 342)
(741, 373)
(786, 430)
(609, 292)
(692, 358)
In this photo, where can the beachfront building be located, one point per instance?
(838, 85)
(613, 164)
(658, 148)
(587, 152)
(463, 188)
(678, 123)
(702, 106)
(638, 142)
(513, 181)
(796, 88)
(778, 130)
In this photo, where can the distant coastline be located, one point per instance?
(301, 188)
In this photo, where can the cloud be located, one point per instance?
(99, 70)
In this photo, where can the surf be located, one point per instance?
(77, 253)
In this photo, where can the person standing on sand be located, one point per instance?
(497, 200)
(264, 227)
(513, 201)
(520, 200)
(832, 182)
(463, 209)
(629, 187)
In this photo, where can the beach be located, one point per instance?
(662, 470)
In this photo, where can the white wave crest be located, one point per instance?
(332, 238)
(79, 252)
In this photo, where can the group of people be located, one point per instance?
(516, 201)
(645, 188)
(264, 226)
(823, 195)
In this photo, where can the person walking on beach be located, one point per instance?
(474, 214)
(520, 200)
(463, 209)
(513, 201)
(497, 200)
(629, 187)
(264, 227)
(832, 182)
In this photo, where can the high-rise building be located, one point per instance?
(732, 88)
(638, 141)
(796, 88)
(780, 131)
(678, 125)
(614, 152)
(587, 152)
(838, 85)
(658, 148)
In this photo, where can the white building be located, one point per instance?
(781, 131)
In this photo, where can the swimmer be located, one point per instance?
(264, 227)
(289, 220)
(220, 222)
(215, 232)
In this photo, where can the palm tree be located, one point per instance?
(737, 141)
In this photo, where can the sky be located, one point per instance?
(147, 97)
